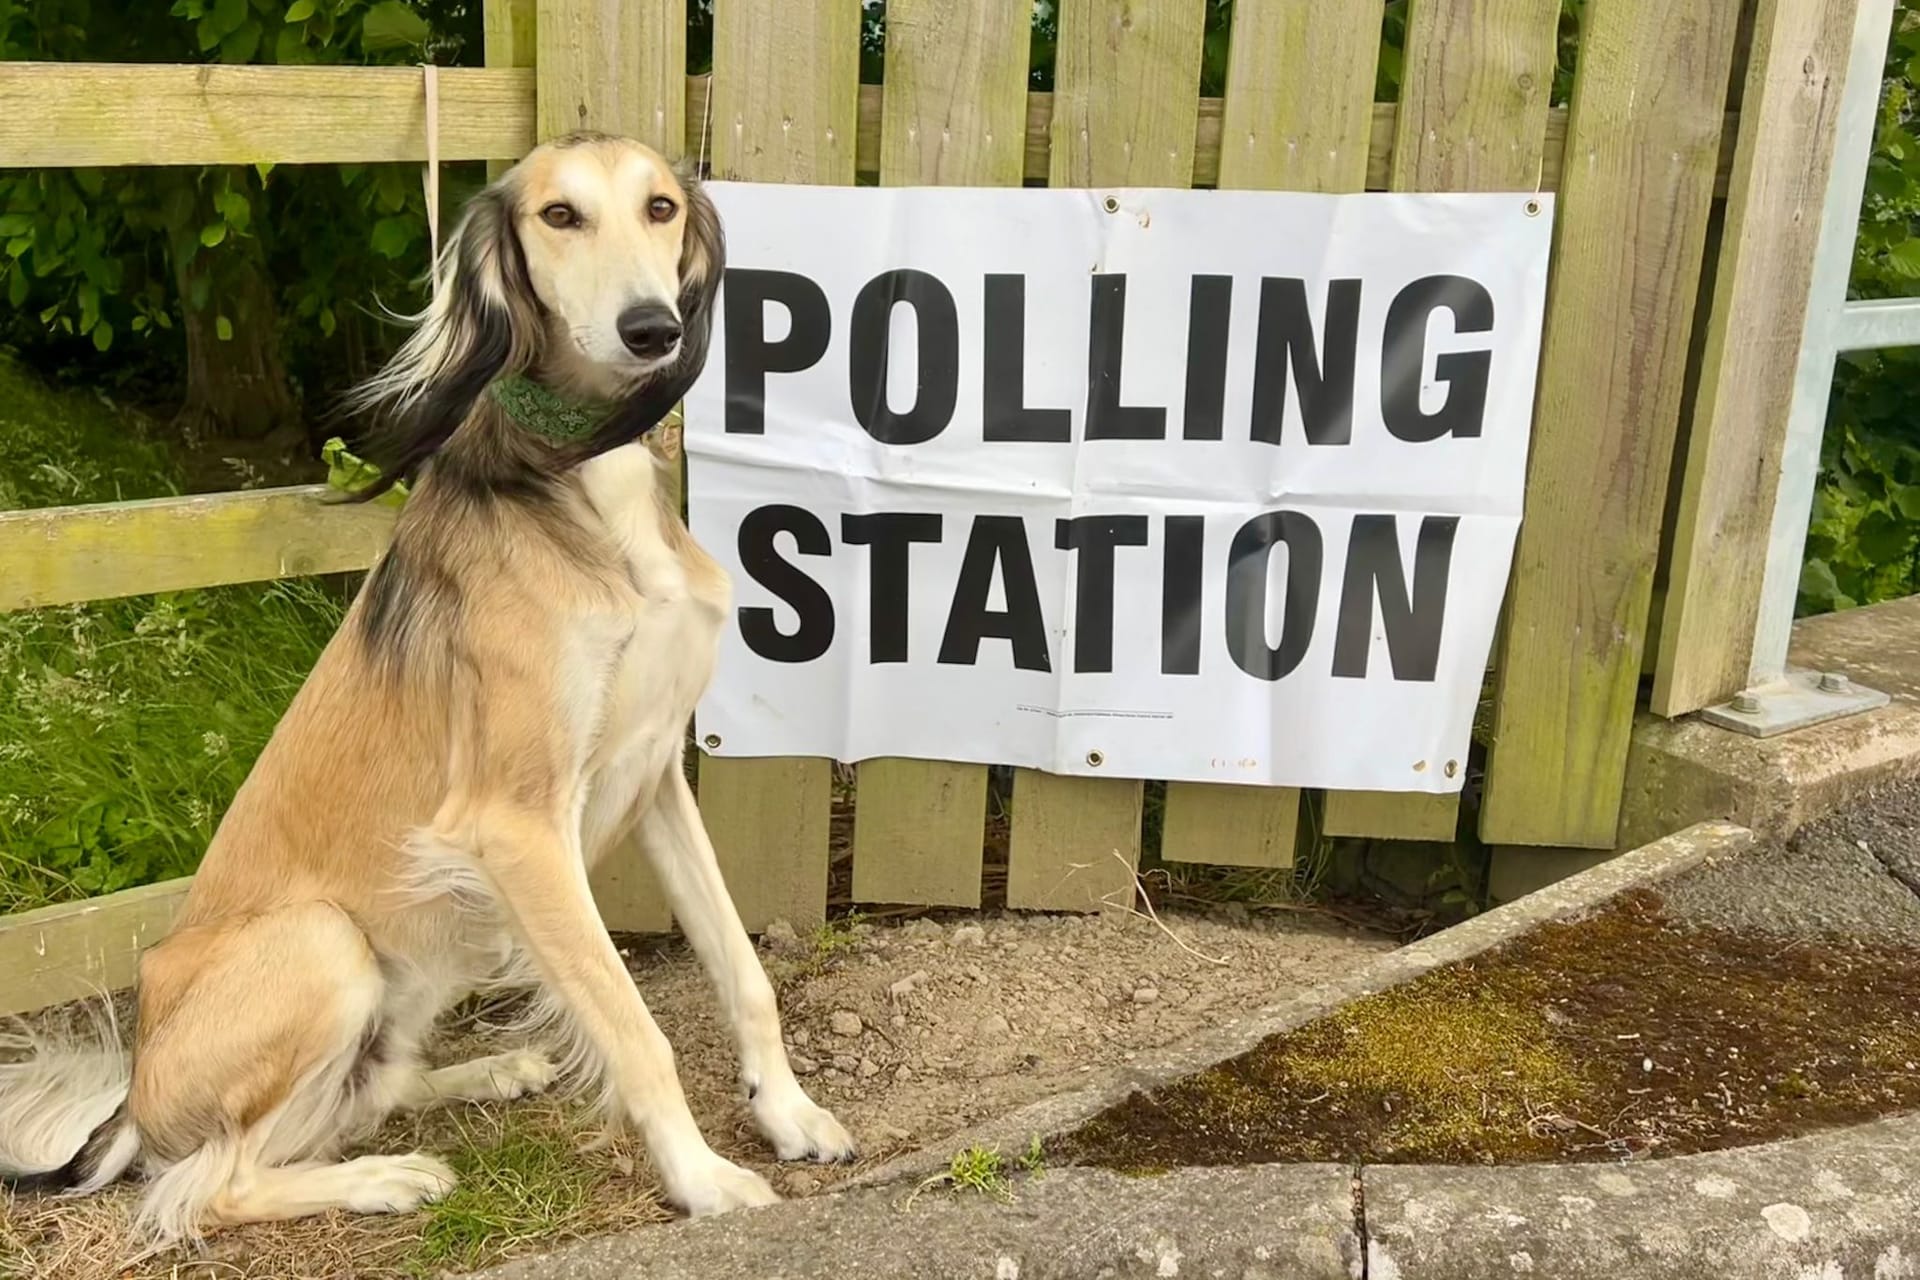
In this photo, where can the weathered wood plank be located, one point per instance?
(786, 90)
(509, 30)
(1473, 117)
(75, 951)
(954, 113)
(62, 555)
(1648, 111)
(768, 820)
(1473, 96)
(492, 113)
(919, 827)
(1126, 82)
(786, 85)
(1229, 825)
(1126, 96)
(1391, 815)
(1066, 833)
(51, 114)
(1298, 113)
(1748, 363)
(1298, 116)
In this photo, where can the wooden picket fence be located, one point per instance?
(1653, 152)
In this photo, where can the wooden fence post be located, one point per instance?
(1648, 108)
(1758, 317)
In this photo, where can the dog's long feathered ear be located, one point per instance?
(703, 261)
(483, 322)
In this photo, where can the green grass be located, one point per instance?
(528, 1183)
(126, 725)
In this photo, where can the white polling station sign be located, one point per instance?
(1196, 485)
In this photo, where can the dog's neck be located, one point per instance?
(545, 412)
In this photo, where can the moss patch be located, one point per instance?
(1619, 1035)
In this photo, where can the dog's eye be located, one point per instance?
(560, 214)
(662, 209)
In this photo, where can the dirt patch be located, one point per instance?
(959, 1018)
(1626, 1034)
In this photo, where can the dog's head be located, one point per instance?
(592, 264)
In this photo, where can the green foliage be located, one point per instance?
(127, 725)
(1864, 541)
(89, 258)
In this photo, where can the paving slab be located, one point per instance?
(1274, 1222)
(1834, 1206)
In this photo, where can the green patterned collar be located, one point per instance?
(546, 413)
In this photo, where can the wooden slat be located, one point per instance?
(1066, 833)
(786, 86)
(75, 951)
(1747, 367)
(1391, 815)
(1473, 117)
(1648, 111)
(62, 555)
(1230, 825)
(1126, 93)
(1298, 116)
(919, 827)
(768, 820)
(71, 114)
(954, 114)
(509, 27)
(1126, 82)
(1473, 96)
(786, 90)
(495, 120)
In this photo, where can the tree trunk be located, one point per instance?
(237, 389)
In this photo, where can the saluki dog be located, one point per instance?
(506, 701)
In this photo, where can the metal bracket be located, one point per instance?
(1795, 701)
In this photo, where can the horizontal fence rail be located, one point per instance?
(66, 555)
(52, 115)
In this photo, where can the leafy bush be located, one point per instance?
(127, 725)
(1864, 543)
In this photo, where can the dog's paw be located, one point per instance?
(517, 1074)
(719, 1186)
(799, 1129)
(398, 1184)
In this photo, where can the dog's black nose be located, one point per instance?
(649, 330)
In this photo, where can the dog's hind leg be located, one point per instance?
(676, 843)
(260, 1043)
(499, 1077)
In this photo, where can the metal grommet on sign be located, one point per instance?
(712, 741)
(1533, 208)
(1453, 767)
(1111, 205)
(1096, 758)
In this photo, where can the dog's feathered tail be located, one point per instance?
(63, 1108)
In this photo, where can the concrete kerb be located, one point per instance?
(1831, 1206)
(1573, 896)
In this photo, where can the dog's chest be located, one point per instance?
(671, 619)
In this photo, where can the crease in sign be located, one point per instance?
(1239, 505)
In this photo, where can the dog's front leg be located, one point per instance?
(536, 866)
(682, 856)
